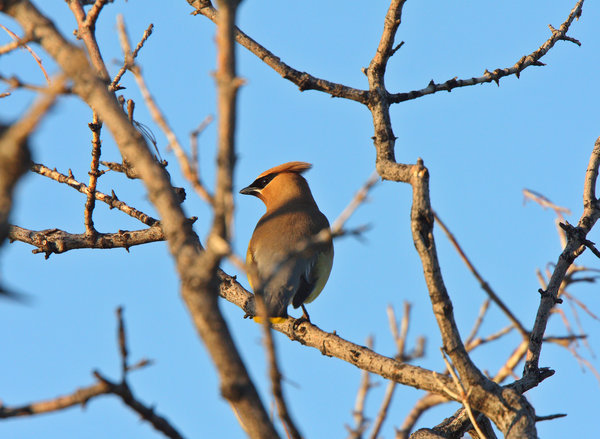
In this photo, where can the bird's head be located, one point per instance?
(281, 184)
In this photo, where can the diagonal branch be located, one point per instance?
(111, 200)
(103, 386)
(484, 285)
(80, 396)
(509, 410)
(332, 345)
(189, 172)
(303, 80)
(533, 59)
(576, 244)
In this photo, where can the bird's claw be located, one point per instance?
(299, 321)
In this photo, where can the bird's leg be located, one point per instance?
(305, 314)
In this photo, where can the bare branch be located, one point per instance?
(528, 194)
(58, 241)
(359, 198)
(484, 285)
(275, 377)
(86, 32)
(90, 203)
(576, 244)
(80, 397)
(94, 13)
(533, 59)
(15, 44)
(422, 405)
(111, 200)
(358, 413)
(331, 344)
(188, 170)
(303, 80)
(482, 312)
(129, 56)
(463, 395)
(103, 387)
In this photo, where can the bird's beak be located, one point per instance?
(248, 191)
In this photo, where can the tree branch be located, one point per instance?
(58, 241)
(303, 80)
(576, 244)
(332, 345)
(484, 285)
(111, 200)
(533, 59)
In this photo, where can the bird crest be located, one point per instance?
(297, 167)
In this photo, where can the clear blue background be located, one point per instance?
(482, 145)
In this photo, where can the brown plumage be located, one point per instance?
(278, 270)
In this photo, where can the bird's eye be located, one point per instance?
(260, 183)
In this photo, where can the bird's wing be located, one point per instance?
(314, 277)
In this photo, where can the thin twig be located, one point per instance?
(463, 396)
(424, 403)
(80, 396)
(549, 417)
(111, 200)
(21, 43)
(359, 198)
(122, 342)
(400, 340)
(103, 386)
(484, 285)
(160, 119)
(90, 203)
(94, 12)
(195, 158)
(482, 312)
(492, 337)
(18, 43)
(383, 409)
(276, 388)
(86, 30)
(360, 421)
(540, 199)
(129, 56)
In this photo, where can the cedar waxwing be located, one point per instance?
(280, 272)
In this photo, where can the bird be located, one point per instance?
(290, 254)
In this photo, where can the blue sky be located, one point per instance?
(482, 145)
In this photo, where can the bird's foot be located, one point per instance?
(305, 318)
